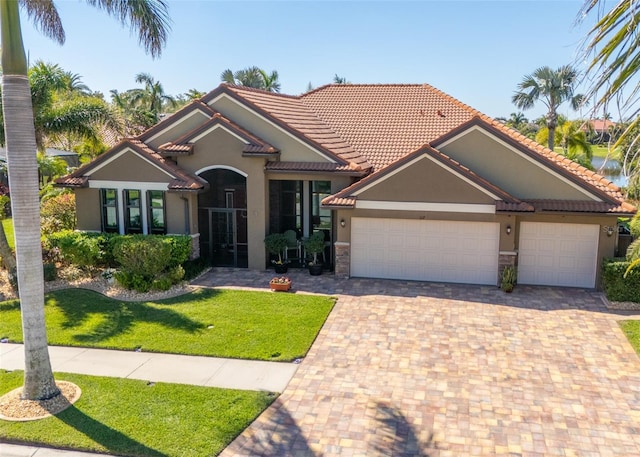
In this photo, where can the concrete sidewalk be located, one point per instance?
(147, 366)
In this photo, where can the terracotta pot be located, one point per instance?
(280, 287)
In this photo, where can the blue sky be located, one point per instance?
(477, 51)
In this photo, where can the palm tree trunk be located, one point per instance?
(8, 260)
(23, 182)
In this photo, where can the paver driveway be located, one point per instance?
(416, 369)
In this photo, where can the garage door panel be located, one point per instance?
(442, 251)
(558, 254)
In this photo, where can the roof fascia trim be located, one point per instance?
(177, 122)
(426, 206)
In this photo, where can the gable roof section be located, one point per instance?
(292, 116)
(347, 198)
(179, 179)
(574, 172)
(253, 144)
(181, 114)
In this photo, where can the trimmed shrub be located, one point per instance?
(133, 281)
(616, 286)
(146, 256)
(58, 213)
(82, 249)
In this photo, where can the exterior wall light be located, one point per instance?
(508, 230)
(609, 229)
(343, 223)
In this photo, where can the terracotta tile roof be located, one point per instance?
(175, 149)
(291, 114)
(385, 122)
(312, 167)
(574, 206)
(254, 144)
(181, 180)
(334, 202)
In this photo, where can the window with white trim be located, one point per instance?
(109, 200)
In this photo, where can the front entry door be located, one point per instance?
(227, 240)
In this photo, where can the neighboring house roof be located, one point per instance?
(181, 180)
(601, 125)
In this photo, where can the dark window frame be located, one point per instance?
(150, 226)
(104, 208)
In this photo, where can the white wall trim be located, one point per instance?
(178, 122)
(324, 156)
(521, 154)
(431, 207)
(214, 127)
(131, 185)
(437, 162)
(223, 167)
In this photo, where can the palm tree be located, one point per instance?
(552, 88)
(573, 139)
(612, 47)
(254, 77)
(340, 79)
(152, 97)
(150, 19)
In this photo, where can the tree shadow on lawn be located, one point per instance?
(117, 316)
(113, 440)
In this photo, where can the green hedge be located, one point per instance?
(616, 287)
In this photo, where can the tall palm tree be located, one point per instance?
(573, 139)
(152, 97)
(552, 88)
(150, 19)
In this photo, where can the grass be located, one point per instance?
(597, 150)
(7, 224)
(632, 330)
(130, 418)
(223, 323)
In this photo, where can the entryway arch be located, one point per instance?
(222, 217)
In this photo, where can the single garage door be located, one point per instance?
(558, 254)
(440, 251)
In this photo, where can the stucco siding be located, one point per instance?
(130, 167)
(425, 181)
(88, 209)
(178, 129)
(510, 171)
(291, 149)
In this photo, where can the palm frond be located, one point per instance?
(45, 17)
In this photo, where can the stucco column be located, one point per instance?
(343, 259)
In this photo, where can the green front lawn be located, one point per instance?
(222, 323)
(632, 330)
(7, 224)
(130, 418)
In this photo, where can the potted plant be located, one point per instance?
(315, 245)
(509, 277)
(275, 244)
(281, 283)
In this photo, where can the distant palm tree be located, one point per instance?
(60, 107)
(149, 18)
(152, 97)
(552, 88)
(573, 139)
(340, 79)
(254, 77)
(270, 81)
(194, 94)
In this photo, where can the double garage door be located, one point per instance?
(441, 251)
(467, 252)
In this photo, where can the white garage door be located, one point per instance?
(558, 254)
(441, 251)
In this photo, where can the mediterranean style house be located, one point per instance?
(404, 182)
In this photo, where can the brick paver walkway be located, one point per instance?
(417, 369)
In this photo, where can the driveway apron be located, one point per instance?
(421, 369)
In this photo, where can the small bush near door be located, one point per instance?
(615, 285)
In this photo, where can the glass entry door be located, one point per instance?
(226, 244)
